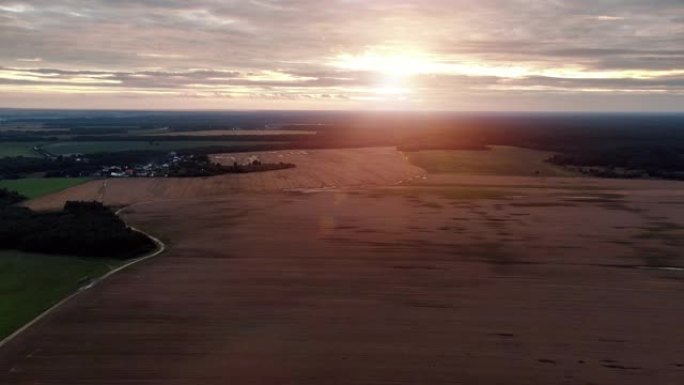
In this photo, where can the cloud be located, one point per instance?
(268, 49)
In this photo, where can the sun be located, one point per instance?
(398, 64)
(393, 70)
(393, 64)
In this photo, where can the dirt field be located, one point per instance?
(315, 169)
(452, 280)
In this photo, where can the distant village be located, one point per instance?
(151, 169)
(119, 168)
(177, 165)
(146, 165)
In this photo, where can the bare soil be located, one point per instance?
(448, 280)
(315, 169)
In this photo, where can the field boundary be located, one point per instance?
(161, 247)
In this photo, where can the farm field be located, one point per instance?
(315, 169)
(38, 187)
(500, 160)
(68, 147)
(31, 283)
(8, 149)
(359, 266)
(449, 280)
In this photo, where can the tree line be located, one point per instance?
(201, 165)
(665, 162)
(87, 229)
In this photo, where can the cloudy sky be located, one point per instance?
(470, 55)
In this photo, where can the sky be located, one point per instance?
(450, 55)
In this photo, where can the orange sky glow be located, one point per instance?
(343, 54)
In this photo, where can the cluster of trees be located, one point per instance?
(201, 165)
(648, 161)
(82, 228)
(8, 197)
(17, 166)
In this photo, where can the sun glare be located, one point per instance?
(393, 70)
(397, 64)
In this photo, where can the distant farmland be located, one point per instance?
(8, 149)
(37, 187)
(500, 160)
(235, 132)
(314, 169)
(67, 147)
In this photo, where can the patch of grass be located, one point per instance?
(666, 251)
(507, 161)
(66, 148)
(541, 186)
(663, 231)
(654, 257)
(8, 149)
(31, 283)
(593, 197)
(38, 187)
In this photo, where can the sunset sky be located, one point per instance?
(500, 55)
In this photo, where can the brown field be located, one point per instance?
(444, 280)
(315, 169)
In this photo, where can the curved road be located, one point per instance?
(161, 247)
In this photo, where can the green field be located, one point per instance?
(507, 161)
(31, 283)
(17, 149)
(38, 187)
(66, 148)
